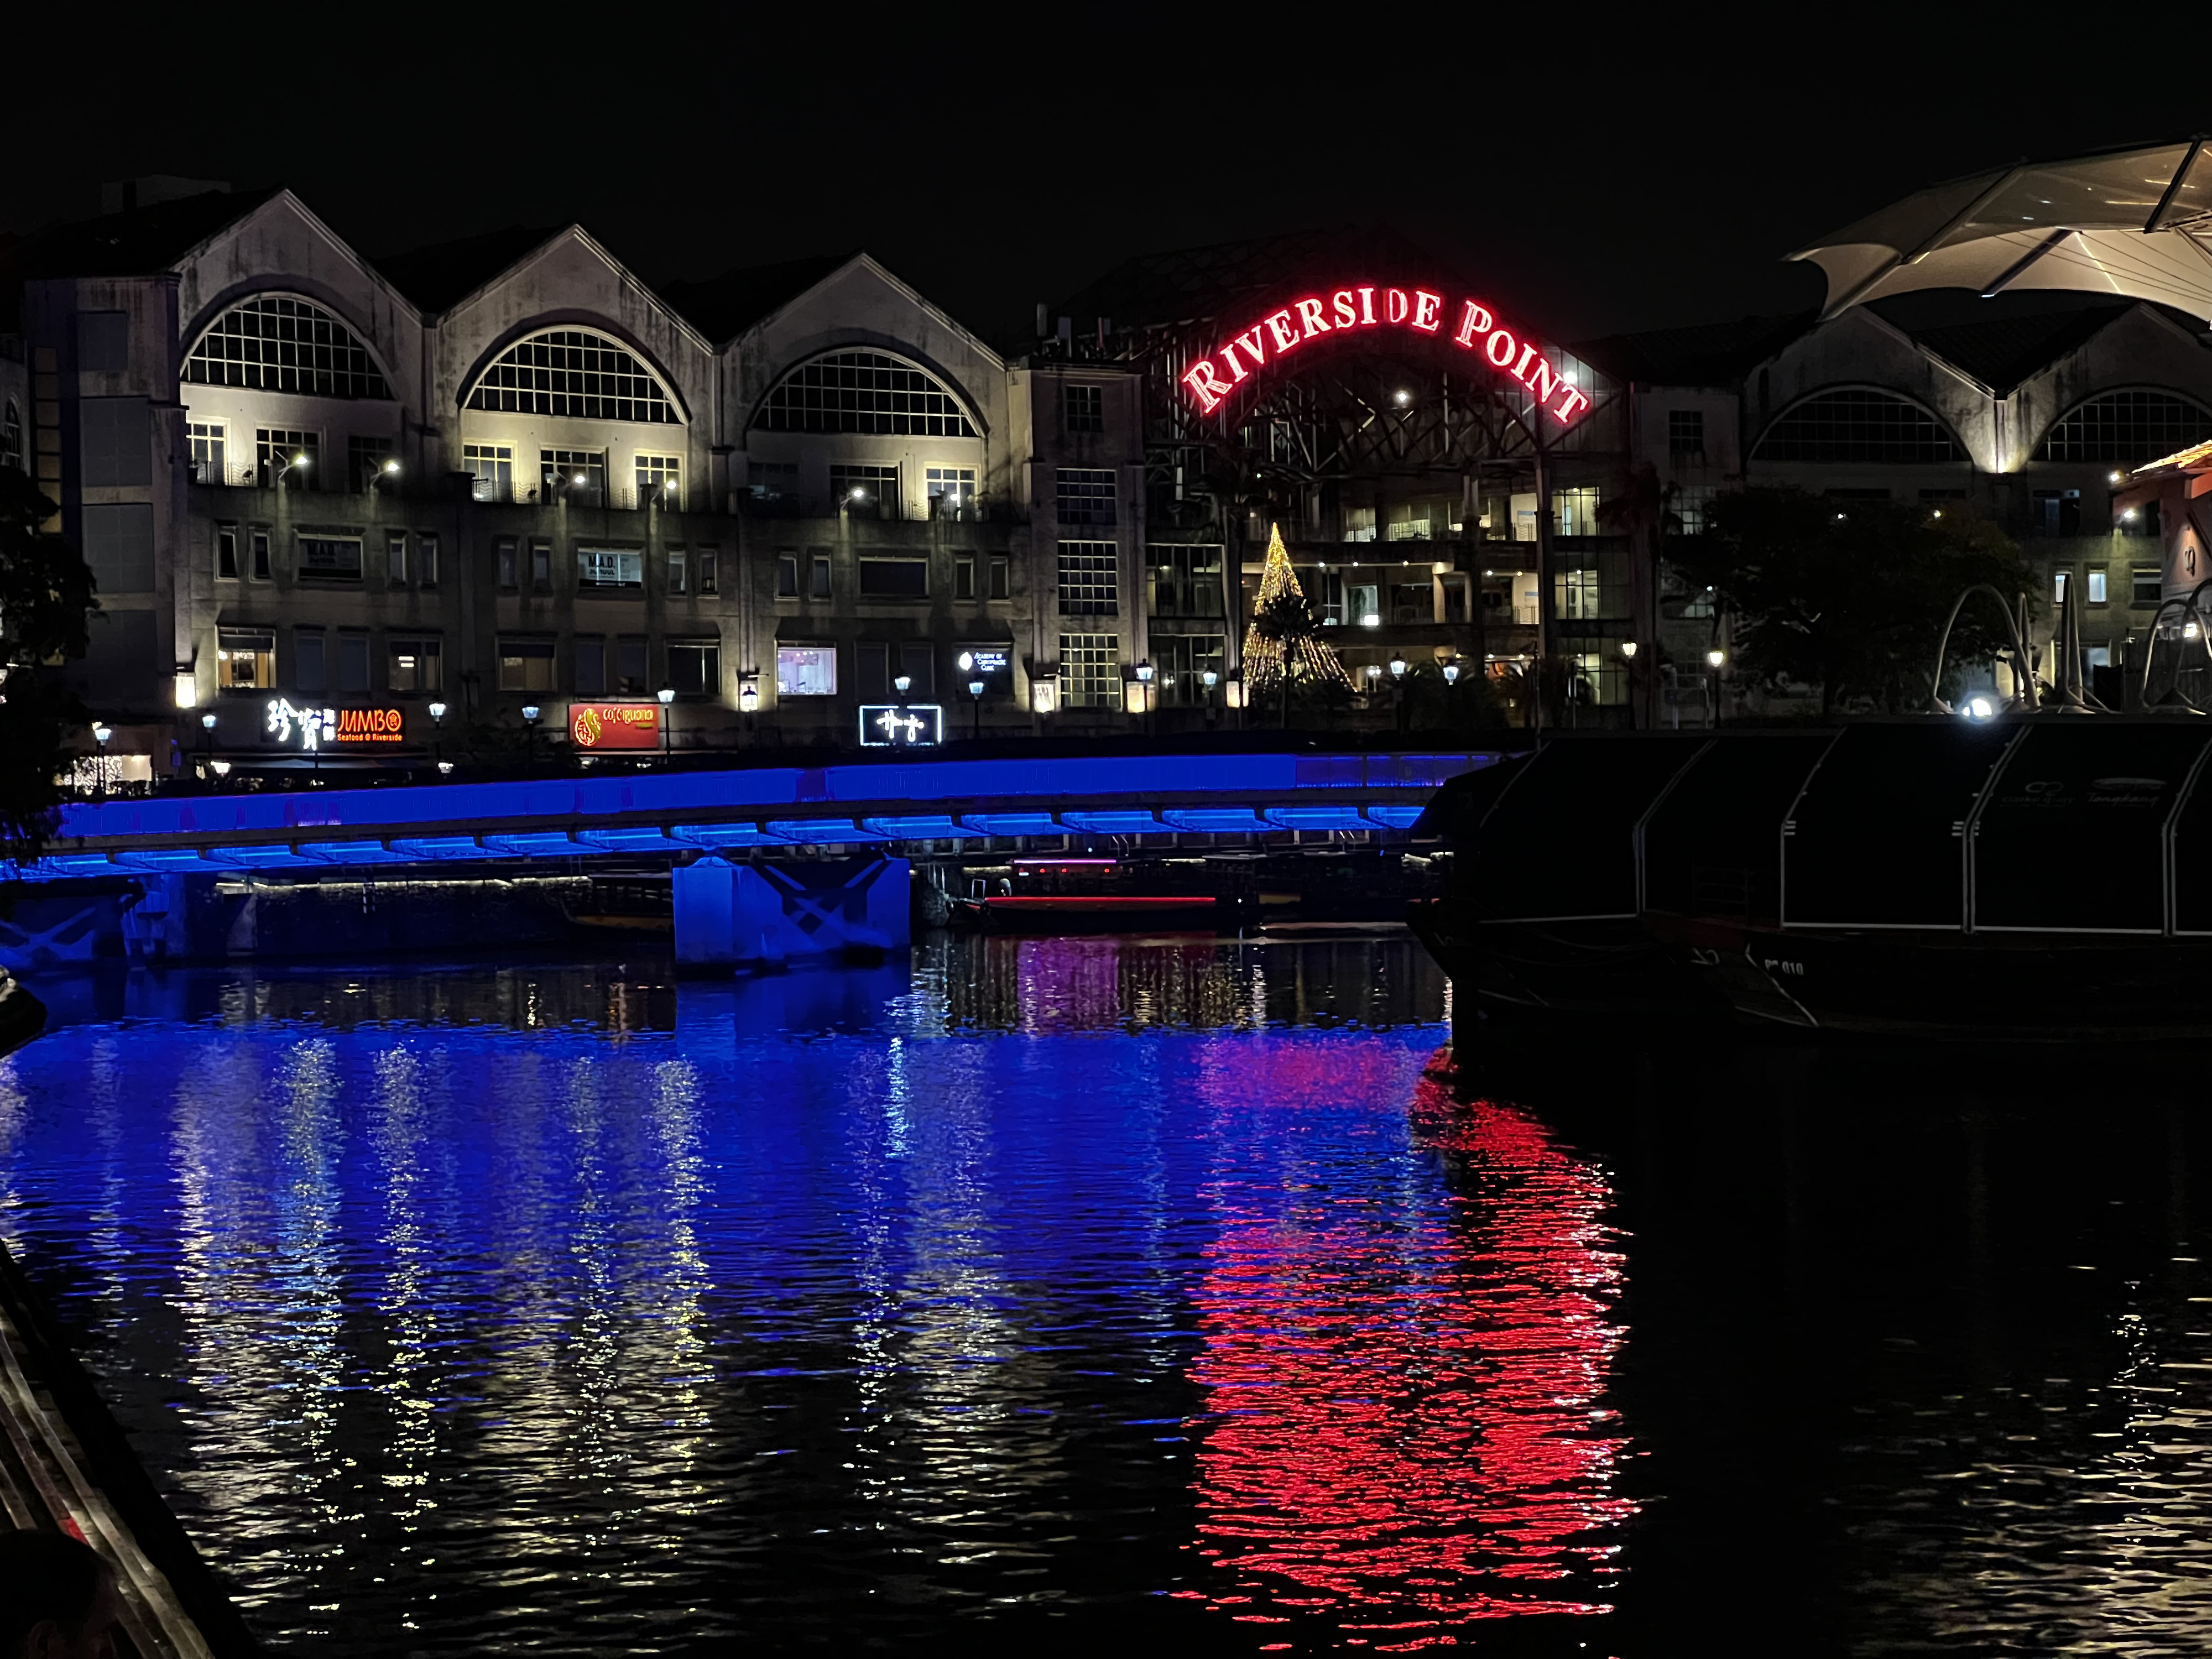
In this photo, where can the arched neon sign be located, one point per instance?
(1476, 329)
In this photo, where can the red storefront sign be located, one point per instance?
(1475, 328)
(614, 725)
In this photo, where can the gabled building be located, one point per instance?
(506, 475)
(2029, 410)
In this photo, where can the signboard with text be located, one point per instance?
(1467, 324)
(314, 728)
(901, 726)
(614, 725)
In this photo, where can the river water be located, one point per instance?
(1167, 1292)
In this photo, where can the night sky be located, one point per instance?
(1594, 176)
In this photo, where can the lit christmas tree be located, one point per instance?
(1283, 641)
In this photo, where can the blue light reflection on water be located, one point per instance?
(593, 1313)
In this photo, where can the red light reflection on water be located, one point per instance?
(1404, 1399)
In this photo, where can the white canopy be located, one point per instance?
(2137, 222)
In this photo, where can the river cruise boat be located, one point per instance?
(1055, 895)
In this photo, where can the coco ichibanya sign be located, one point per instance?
(1470, 325)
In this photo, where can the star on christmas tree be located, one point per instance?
(1282, 640)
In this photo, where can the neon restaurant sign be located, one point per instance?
(1474, 327)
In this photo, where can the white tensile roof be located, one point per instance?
(2134, 223)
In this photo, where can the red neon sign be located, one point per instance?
(1372, 305)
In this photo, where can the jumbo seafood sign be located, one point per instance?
(1472, 326)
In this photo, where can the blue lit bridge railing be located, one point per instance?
(890, 805)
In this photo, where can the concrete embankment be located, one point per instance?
(65, 1466)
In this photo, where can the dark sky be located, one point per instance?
(1594, 174)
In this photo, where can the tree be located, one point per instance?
(1283, 646)
(1849, 595)
(45, 604)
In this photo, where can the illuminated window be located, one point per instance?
(951, 492)
(1086, 494)
(2126, 429)
(1087, 408)
(1574, 511)
(1181, 661)
(806, 671)
(365, 461)
(2096, 587)
(1856, 424)
(494, 467)
(295, 454)
(694, 667)
(208, 440)
(560, 470)
(1690, 505)
(273, 343)
(1186, 581)
(1089, 578)
(1359, 524)
(865, 489)
(863, 392)
(573, 373)
(526, 665)
(599, 567)
(661, 481)
(414, 665)
(1089, 671)
(1576, 595)
(246, 659)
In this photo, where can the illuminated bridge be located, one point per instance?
(896, 807)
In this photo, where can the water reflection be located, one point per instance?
(568, 1309)
(1404, 1381)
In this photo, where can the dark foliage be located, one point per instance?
(1849, 596)
(45, 600)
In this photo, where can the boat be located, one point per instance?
(1059, 895)
(2035, 877)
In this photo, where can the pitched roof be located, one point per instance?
(138, 242)
(722, 307)
(443, 273)
(1705, 353)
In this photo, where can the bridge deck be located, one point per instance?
(677, 812)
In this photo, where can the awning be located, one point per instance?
(2135, 222)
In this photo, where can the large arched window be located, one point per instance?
(1856, 424)
(2126, 429)
(275, 343)
(863, 392)
(577, 373)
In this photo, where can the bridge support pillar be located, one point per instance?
(764, 915)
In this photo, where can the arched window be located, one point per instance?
(11, 439)
(575, 373)
(1856, 424)
(274, 343)
(2127, 429)
(863, 392)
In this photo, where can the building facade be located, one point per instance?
(508, 476)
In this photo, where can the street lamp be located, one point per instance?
(299, 463)
(438, 736)
(976, 694)
(100, 734)
(1628, 649)
(530, 714)
(1210, 679)
(1714, 659)
(207, 734)
(1145, 679)
(667, 699)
